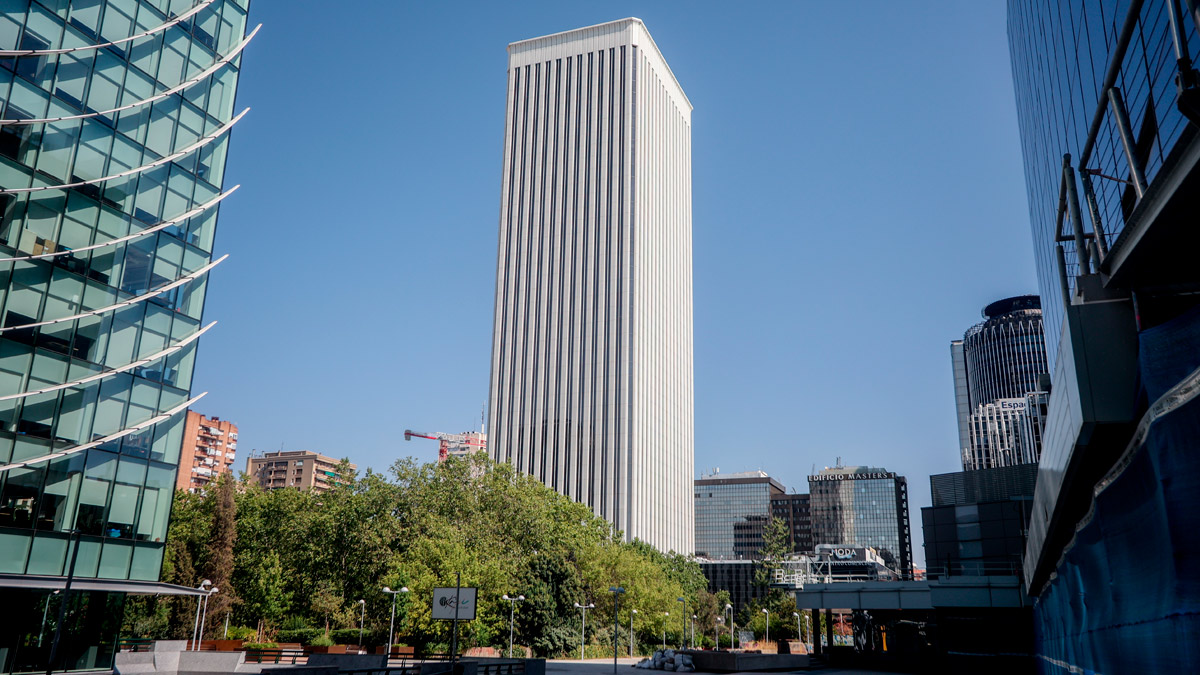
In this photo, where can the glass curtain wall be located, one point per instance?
(116, 118)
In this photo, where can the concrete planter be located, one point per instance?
(333, 649)
(227, 645)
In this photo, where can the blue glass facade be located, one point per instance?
(115, 124)
(1061, 50)
(862, 507)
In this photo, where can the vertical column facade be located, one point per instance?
(591, 377)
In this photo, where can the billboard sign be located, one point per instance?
(445, 600)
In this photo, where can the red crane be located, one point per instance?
(452, 444)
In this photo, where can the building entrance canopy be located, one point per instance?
(34, 581)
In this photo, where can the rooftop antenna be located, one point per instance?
(482, 414)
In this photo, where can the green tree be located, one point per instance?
(219, 556)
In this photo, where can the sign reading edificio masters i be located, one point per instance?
(852, 476)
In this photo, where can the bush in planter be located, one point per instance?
(321, 641)
(260, 645)
(346, 636)
(304, 636)
(241, 633)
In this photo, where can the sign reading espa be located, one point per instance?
(876, 475)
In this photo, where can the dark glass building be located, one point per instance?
(860, 506)
(115, 125)
(793, 509)
(735, 576)
(978, 521)
(1108, 104)
(731, 512)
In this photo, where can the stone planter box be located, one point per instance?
(227, 645)
(396, 651)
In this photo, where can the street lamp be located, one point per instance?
(46, 613)
(668, 615)
(362, 620)
(583, 626)
(717, 632)
(694, 617)
(732, 624)
(683, 637)
(616, 591)
(204, 616)
(767, 637)
(392, 625)
(196, 624)
(799, 636)
(631, 613)
(512, 612)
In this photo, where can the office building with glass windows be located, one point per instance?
(114, 124)
(731, 511)
(859, 506)
(999, 368)
(1108, 106)
(591, 373)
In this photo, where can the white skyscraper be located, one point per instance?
(591, 385)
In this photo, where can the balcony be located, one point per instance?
(1091, 416)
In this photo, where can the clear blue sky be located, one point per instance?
(859, 196)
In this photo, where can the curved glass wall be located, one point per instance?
(110, 175)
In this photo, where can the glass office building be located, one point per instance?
(115, 124)
(1108, 105)
(998, 370)
(859, 506)
(731, 512)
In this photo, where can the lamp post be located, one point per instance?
(799, 636)
(631, 613)
(46, 613)
(616, 591)
(583, 626)
(717, 632)
(683, 637)
(204, 615)
(196, 624)
(767, 637)
(732, 624)
(694, 617)
(668, 615)
(512, 613)
(392, 625)
(807, 627)
(362, 622)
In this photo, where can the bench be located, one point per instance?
(279, 655)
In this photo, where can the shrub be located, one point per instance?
(321, 641)
(293, 622)
(346, 636)
(301, 635)
(241, 633)
(260, 645)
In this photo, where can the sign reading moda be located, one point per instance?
(878, 475)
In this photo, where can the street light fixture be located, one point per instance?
(616, 591)
(204, 615)
(694, 617)
(683, 637)
(392, 625)
(668, 615)
(196, 624)
(631, 613)
(799, 635)
(362, 620)
(767, 637)
(583, 626)
(717, 632)
(732, 624)
(512, 612)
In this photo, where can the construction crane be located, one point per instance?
(452, 444)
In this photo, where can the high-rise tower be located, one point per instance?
(1001, 402)
(591, 378)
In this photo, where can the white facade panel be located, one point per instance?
(591, 387)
